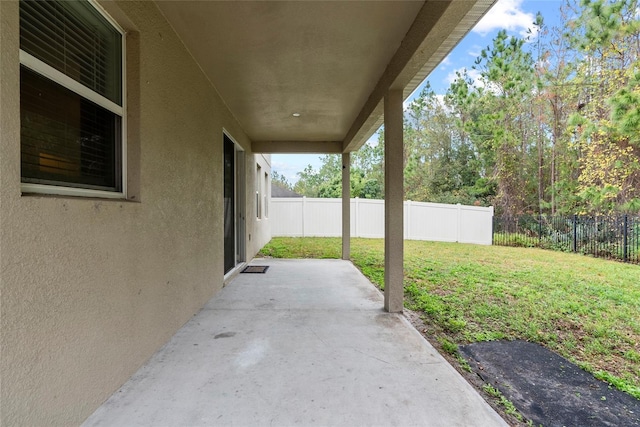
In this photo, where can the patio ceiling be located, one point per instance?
(331, 62)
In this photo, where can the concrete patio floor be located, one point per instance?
(307, 343)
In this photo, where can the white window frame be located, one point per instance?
(258, 191)
(265, 195)
(42, 68)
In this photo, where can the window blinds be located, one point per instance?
(66, 138)
(74, 38)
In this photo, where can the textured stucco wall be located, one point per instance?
(91, 288)
(260, 229)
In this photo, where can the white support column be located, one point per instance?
(393, 202)
(346, 206)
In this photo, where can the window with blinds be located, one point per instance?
(71, 100)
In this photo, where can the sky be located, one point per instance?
(514, 16)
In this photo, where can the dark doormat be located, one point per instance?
(255, 269)
(548, 389)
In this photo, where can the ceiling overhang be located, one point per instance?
(297, 147)
(310, 76)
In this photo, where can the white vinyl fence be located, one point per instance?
(306, 217)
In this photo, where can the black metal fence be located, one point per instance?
(613, 237)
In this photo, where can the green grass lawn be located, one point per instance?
(586, 309)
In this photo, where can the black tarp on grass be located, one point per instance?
(548, 389)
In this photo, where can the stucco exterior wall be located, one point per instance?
(260, 229)
(91, 288)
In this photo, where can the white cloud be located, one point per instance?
(476, 80)
(373, 139)
(439, 102)
(475, 51)
(507, 15)
(289, 165)
(287, 170)
(445, 62)
(474, 74)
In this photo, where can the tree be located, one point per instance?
(549, 126)
(474, 157)
(558, 97)
(280, 180)
(606, 121)
(308, 182)
(504, 127)
(366, 179)
(440, 162)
